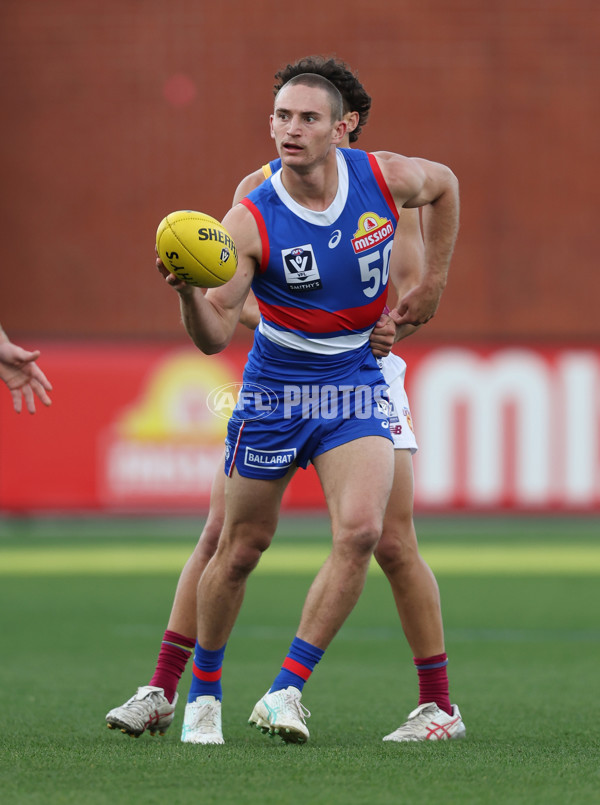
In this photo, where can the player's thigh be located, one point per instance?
(400, 504)
(357, 478)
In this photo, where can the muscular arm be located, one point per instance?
(250, 315)
(407, 263)
(210, 317)
(406, 270)
(417, 183)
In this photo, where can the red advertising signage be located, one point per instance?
(140, 428)
(507, 428)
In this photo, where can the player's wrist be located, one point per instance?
(434, 280)
(185, 291)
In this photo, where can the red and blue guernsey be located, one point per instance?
(321, 287)
(323, 278)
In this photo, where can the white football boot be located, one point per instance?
(429, 723)
(202, 722)
(282, 713)
(148, 710)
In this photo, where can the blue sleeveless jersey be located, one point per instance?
(311, 382)
(323, 278)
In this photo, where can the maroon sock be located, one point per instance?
(433, 681)
(175, 651)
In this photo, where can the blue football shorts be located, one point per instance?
(273, 429)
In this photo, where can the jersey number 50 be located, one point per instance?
(375, 270)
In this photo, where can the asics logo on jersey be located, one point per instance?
(335, 239)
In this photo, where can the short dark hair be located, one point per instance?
(315, 80)
(354, 95)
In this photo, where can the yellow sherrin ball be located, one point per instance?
(196, 248)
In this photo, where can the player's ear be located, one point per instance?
(339, 131)
(271, 126)
(351, 119)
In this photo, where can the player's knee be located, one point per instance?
(359, 541)
(209, 539)
(396, 550)
(388, 557)
(241, 563)
(241, 556)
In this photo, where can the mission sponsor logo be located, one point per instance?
(301, 270)
(269, 459)
(372, 230)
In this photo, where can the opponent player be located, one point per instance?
(414, 586)
(22, 375)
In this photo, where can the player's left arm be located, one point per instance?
(407, 263)
(415, 183)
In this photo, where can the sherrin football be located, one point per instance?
(196, 248)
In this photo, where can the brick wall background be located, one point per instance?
(115, 113)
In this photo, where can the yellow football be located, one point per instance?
(196, 248)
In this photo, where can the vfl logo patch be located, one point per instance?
(269, 459)
(301, 270)
(225, 254)
(372, 230)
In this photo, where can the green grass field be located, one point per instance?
(84, 603)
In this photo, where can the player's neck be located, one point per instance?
(316, 188)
